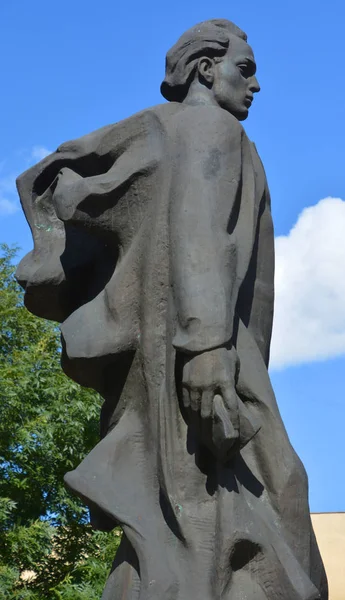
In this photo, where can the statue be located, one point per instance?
(153, 247)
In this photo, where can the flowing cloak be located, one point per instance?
(152, 239)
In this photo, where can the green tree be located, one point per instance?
(48, 424)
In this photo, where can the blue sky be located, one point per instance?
(73, 66)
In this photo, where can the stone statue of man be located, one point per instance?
(153, 247)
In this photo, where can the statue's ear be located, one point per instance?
(206, 70)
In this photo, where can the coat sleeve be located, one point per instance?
(205, 246)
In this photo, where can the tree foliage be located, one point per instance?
(47, 425)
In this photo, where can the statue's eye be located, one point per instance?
(247, 69)
(244, 68)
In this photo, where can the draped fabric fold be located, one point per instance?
(152, 239)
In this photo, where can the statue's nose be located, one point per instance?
(254, 85)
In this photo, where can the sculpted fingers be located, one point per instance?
(195, 398)
(230, 400)
(191, 397)
(207, 404)
(198, 400)
(185, 397)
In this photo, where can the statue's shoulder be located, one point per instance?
(117, 134)
(171, 120)
(202, 120)
(96, 151)
(158, 120)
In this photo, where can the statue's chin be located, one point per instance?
(241, 116)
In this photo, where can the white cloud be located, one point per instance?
(39, 152)
(309, 322)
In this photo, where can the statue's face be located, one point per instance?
(234, 83)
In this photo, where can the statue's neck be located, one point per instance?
(200, 94)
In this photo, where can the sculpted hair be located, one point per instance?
(210, 38)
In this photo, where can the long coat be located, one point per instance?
(153, 238)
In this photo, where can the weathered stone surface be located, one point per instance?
(154, 249)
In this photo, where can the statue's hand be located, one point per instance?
(209, 395)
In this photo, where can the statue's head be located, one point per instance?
(213, 57)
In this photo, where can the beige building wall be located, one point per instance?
(330, 533)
